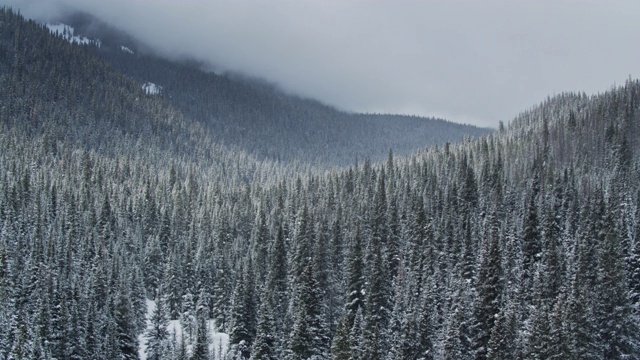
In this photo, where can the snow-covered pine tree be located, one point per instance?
(264, 346)
(157, 333)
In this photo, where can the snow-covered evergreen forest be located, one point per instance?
(522, 244)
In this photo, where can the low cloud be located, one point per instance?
(476, 62)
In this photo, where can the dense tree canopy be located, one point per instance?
(520, 244)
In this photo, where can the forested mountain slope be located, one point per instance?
(521, 244)
(263, 120)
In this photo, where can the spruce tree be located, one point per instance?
(157, 332)
(489, 287)
(310, 335)
(619, 331)
(264, 346)
(377, 316)
(201, 345)
(502, 343)
(125, 336)
(538, 326)
(341, 346)
(355, 281)
(240, 337)
(277, 282)
(356, 334)
(531, 240)
(634, 261)
(153, 266)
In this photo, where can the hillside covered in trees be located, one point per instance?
(261, 119)
(524, 243)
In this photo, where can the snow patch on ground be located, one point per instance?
(151, 88)
(67, 32)
(218, 342)
(126, 49)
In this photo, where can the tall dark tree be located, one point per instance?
(341, 346)
(377, 305)
(277, 279)
(264, 346)
(531, 239)
(619, 330)
(309, 337)
(502, 343)
(242, 316)
(489, 286)
(157, 332)
(201, 345)
(126, 337)
(355, 280)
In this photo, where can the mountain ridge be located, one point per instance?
(256, 115)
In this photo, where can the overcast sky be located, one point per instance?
(470, 61)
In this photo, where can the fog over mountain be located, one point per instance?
(472, 62)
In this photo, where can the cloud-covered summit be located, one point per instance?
(475, 62)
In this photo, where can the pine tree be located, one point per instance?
(559, 347)
(538, 328)
(153, 266)
(277, 282)
(425, 330)
(181, 353)
(454, 346)
(619, 330)
(172, 286)
(20, 348)
(221, 289)
(157, 331)
(489, 286)
(634, 262)
(356, 336)
(580, 323)
(502, 344)
(406, 345)
(188, 316)
(240, 336)
(341, 346)
(551, 256)
(243, 316)
(260, 244)
(322, 266)
(531, 240)
(76, 332)
(126, 339)
(303, 243)
(309, 337)
(355, 281)
(57, 322)
(263, 347)
(377, 315)
(580, 313)
(201, 345)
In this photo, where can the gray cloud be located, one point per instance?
(470, 61)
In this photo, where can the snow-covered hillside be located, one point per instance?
(68, 33)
